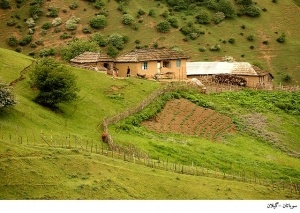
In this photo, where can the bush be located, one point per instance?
(98, 4)
(141, 12)
(76, 47)
(6, 97)
(173, 22)
(163, 27)
(251, 10)
(65, 36)
(11, 22)
(56, 84)
(30, 22)
(46, 26)
(281, 39)
(52, 12)
(47, 52)
(287, 78)
(112, 51)
(218, 17)
(215, 48)
(72, 23)
(86, 30)
(250, 38)
(5, 4)
(231, 40)
(35, 11)
(73, 6)
(98, 22)
(12, 41)
(117, 41)
(56, 22)
(26, 40)
(203, 17)
(127, 19)
(152, 13)
(99, 39)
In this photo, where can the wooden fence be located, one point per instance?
(133, 155)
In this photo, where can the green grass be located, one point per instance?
(34, 170)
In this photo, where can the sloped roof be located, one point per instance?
(214, 68)
(140, 55)
(89, 57)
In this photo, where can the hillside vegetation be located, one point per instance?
(264, 33)
(48, 154)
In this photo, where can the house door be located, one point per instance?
(158, 67)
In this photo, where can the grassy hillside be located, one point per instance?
(275, 19)
(31, 169)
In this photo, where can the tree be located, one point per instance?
(6, 97)
(203, 17)
(127, 19)
(117, 41)
(163, 27)
(76, 47)
(98, 22)
(56, 84)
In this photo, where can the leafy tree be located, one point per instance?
(251, 10)
(98, 22)
(203, 17)
(226, 7)
(99, 39)
(56, 84)
(25, 40)
(117, 41)
(6, 96)
(76, 47)
(35, 11)
(127, 19)
(173, 22)
(163, 27)
(218, 17)
(72, 23)
(98, 4)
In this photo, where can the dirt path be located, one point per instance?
(22, 75)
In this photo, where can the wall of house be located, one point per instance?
(152, 69)
(255, 81)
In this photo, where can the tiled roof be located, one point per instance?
(150, 55)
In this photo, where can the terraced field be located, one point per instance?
(184, 117)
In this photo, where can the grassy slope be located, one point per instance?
(279, 59)
(39, 173)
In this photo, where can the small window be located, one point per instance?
(178, 63)
(166, 63)
(144, 65)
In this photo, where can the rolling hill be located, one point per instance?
(48, 154)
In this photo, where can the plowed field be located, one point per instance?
(184, 117)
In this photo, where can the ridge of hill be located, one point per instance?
(45, 154)
(245, 38)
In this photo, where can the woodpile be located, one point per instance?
(230, 79)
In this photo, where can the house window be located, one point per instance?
(166, 63)
(144, 65)
(178, 63)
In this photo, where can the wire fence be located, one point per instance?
(133, 155)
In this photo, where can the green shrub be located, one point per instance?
(231, 40)
(112, 51)
(72, 23)
(12, 41)
(117, 41)
(98, 22)
(215, 48)
(56, 22)
(173, 22)
(25, 40)
(281, 39)
(141, 12)
(250, 38)
(218, 17)
(52, 12)
(127, 19)
(35, 11)
(65, 36)
(5, 4)
(98, 4)
(46, 26)
(99, 39)
(203, 17)
(86, 30)
(152, 13)
(73, 6)
(163, 27)
(47, 52)
(6, 96)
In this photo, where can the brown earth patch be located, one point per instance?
(184, 117)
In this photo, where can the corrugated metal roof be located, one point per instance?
(150, 55)
(214, 68)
